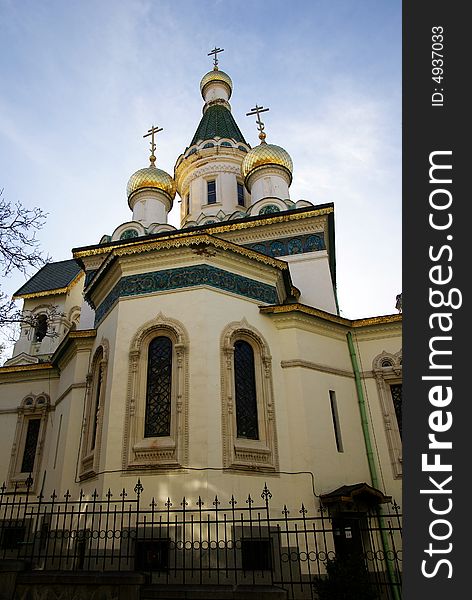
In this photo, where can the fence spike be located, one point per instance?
(266, 494)
(138, 488)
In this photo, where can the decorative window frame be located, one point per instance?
(31, 407)
(162, 453)
(387, 370)
(94, 408)
(241, 453)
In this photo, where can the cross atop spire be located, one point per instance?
(151, 133)
(215, 52)
(257, 110)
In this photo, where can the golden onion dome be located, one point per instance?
(151, 178)
(216, 76)
(266, 155)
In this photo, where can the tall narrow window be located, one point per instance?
(156, 419)
(187, 204)
(387, 370)
(31, 443)
(248, 405)
(28, 443)
(240, 194)
(41, 328)
(245, 387)
(396, 391)
(94, 412)
(211, 191)
(96, 407)
(335, 416)
(158, 396)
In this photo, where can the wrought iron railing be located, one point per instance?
(196, 542)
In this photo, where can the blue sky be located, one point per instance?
(83, 80)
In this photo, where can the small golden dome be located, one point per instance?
(217, 76)
(151, 177)
(266, 154)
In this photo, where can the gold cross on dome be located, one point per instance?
(257, 110)
(215, 52)
(151, 133)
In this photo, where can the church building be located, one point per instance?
(207, 363)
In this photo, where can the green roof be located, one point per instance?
(217, 121)
(52, 276)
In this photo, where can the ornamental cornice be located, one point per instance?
(306, 364)
(315, 312)
(26, 373)
(308, 324)
(279, 230)
(227, 226)
(196, 240)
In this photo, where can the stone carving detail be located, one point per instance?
(291, 245)
(171, 279)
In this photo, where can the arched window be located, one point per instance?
(94, 409)
(387, 370)
(156, 418)
(248, 411)
(245, 391)
(158, 388)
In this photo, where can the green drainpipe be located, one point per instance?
(371, 460)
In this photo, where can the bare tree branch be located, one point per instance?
(19, 250)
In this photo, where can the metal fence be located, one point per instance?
(220, 542)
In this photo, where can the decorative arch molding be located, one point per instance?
(240, 453)
(92, 425)
(211, 169)
(136, 226)
(28, 443)
(265, 203)
(165, 452)
(387, 370)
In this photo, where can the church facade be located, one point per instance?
(210, 360)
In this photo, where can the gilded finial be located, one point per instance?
(151, 133)
(215, 52)
(257, 110)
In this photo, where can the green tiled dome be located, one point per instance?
(217, 121)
